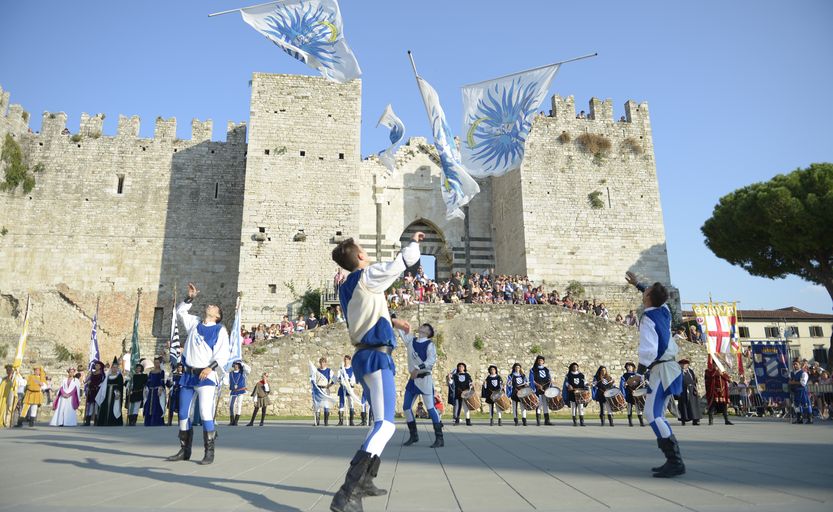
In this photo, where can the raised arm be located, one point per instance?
(379, 276)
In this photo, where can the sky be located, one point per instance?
(738, 91)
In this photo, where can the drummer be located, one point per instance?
(515, 382)
(492, 384)
(461, 383)
(573, 381)
(627, 390)
(602, 381)
(540, 376)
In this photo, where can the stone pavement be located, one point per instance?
(758, 464)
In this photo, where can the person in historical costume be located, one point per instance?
(717, 392)
(261, 395)
(109, 398)
(237, 390)
(346, 392)
(688, 402)
(321, 383)
(630, 371)
(135, 394)
(492, 384)
(32, 397)
(514, 383)
(67, 402)
(541, 380)
(173, 395)
(801, 398)
(8, 395)
(574, 381)
(205, 350)
(462, 383)
(362, 298)
(155, 395)
(602, 381)
(422, 355)
(91, 386)
(657, 352)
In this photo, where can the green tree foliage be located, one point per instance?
(781, 227)
(16, 170)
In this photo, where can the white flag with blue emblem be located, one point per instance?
(310, 31)
(397, 132)
(235, 344)
(497, 117)
(458, 188)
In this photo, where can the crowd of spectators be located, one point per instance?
(262, 332)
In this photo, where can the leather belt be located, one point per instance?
(423, 374)
(194, 371)
(387, 349)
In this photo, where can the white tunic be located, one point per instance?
(415, 362)
(196, 352)
(64, 414)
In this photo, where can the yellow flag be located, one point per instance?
(21, 345)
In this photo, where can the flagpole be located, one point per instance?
(240, 9)
(589, 55)
(417, 77)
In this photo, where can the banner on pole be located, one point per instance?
(772, 374)
(718, 322)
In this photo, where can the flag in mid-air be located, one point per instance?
(310, 31)
(235, 341)
(397, 132)
(497, 118)
(458, 188)
(94, 353)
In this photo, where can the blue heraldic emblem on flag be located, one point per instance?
(397, 132)
(458, 188)
(310, 31)
(497, 118)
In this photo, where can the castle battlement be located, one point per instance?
(598, 110)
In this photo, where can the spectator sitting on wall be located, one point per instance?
(630, 318)
(312, 322)
(286, 326)
(260, 333)
(300, 324)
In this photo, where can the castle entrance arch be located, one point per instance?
(434, 244)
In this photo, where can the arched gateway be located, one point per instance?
(434, 244)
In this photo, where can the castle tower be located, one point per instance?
(301, 193)
(585, 204)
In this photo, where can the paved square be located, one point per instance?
(758, 464)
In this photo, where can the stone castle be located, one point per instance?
(111, 214)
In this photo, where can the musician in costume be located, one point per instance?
(8, 395)
(135, 394)
(261, 395)
(346, 392)
(362, 299)
(717, 392)
(237, 390)
(323, 379)
(801, 398)
(462, 384)
(67, 401)
(539, 376)
(173, 395)
(574, 381)
(657, 352)
(205, 350)
(422, 355)
(688, 402)
(492, 384)
(514, 383)
(155, 395)
(109, 398)
(602, 381)
(32, 397)
(92, 384)
(630, 371)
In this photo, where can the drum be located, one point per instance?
(635, 382)
(639, 397)
(615, 400)
(528, 398)
(583, 396)
(472, 399)
(554, 400)
(502, 401)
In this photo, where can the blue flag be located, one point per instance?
(458, 188)
(310, 31)
(397, 133)
(497, 117)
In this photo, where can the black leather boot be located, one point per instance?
(352, 417)
(581, 420)
(491, 422)
(208, 441)
(711, 418)
(367, 488)
(252, 421)
(610, 419)
(340, 418)
(602, 417)
(499, 422)
(262, 416)
(349, 497)
(184, 453)
(439, 442)
(630, 420)
(641, 421)
(364, 419)
(87, 421)
(412, 428)
(317, 419)
(524, 421)
(538, 418)
(726, 419)
(326, 417)
(575, 423)
(674, 465)
(516, 422)
(468, 422)
(547, 419)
